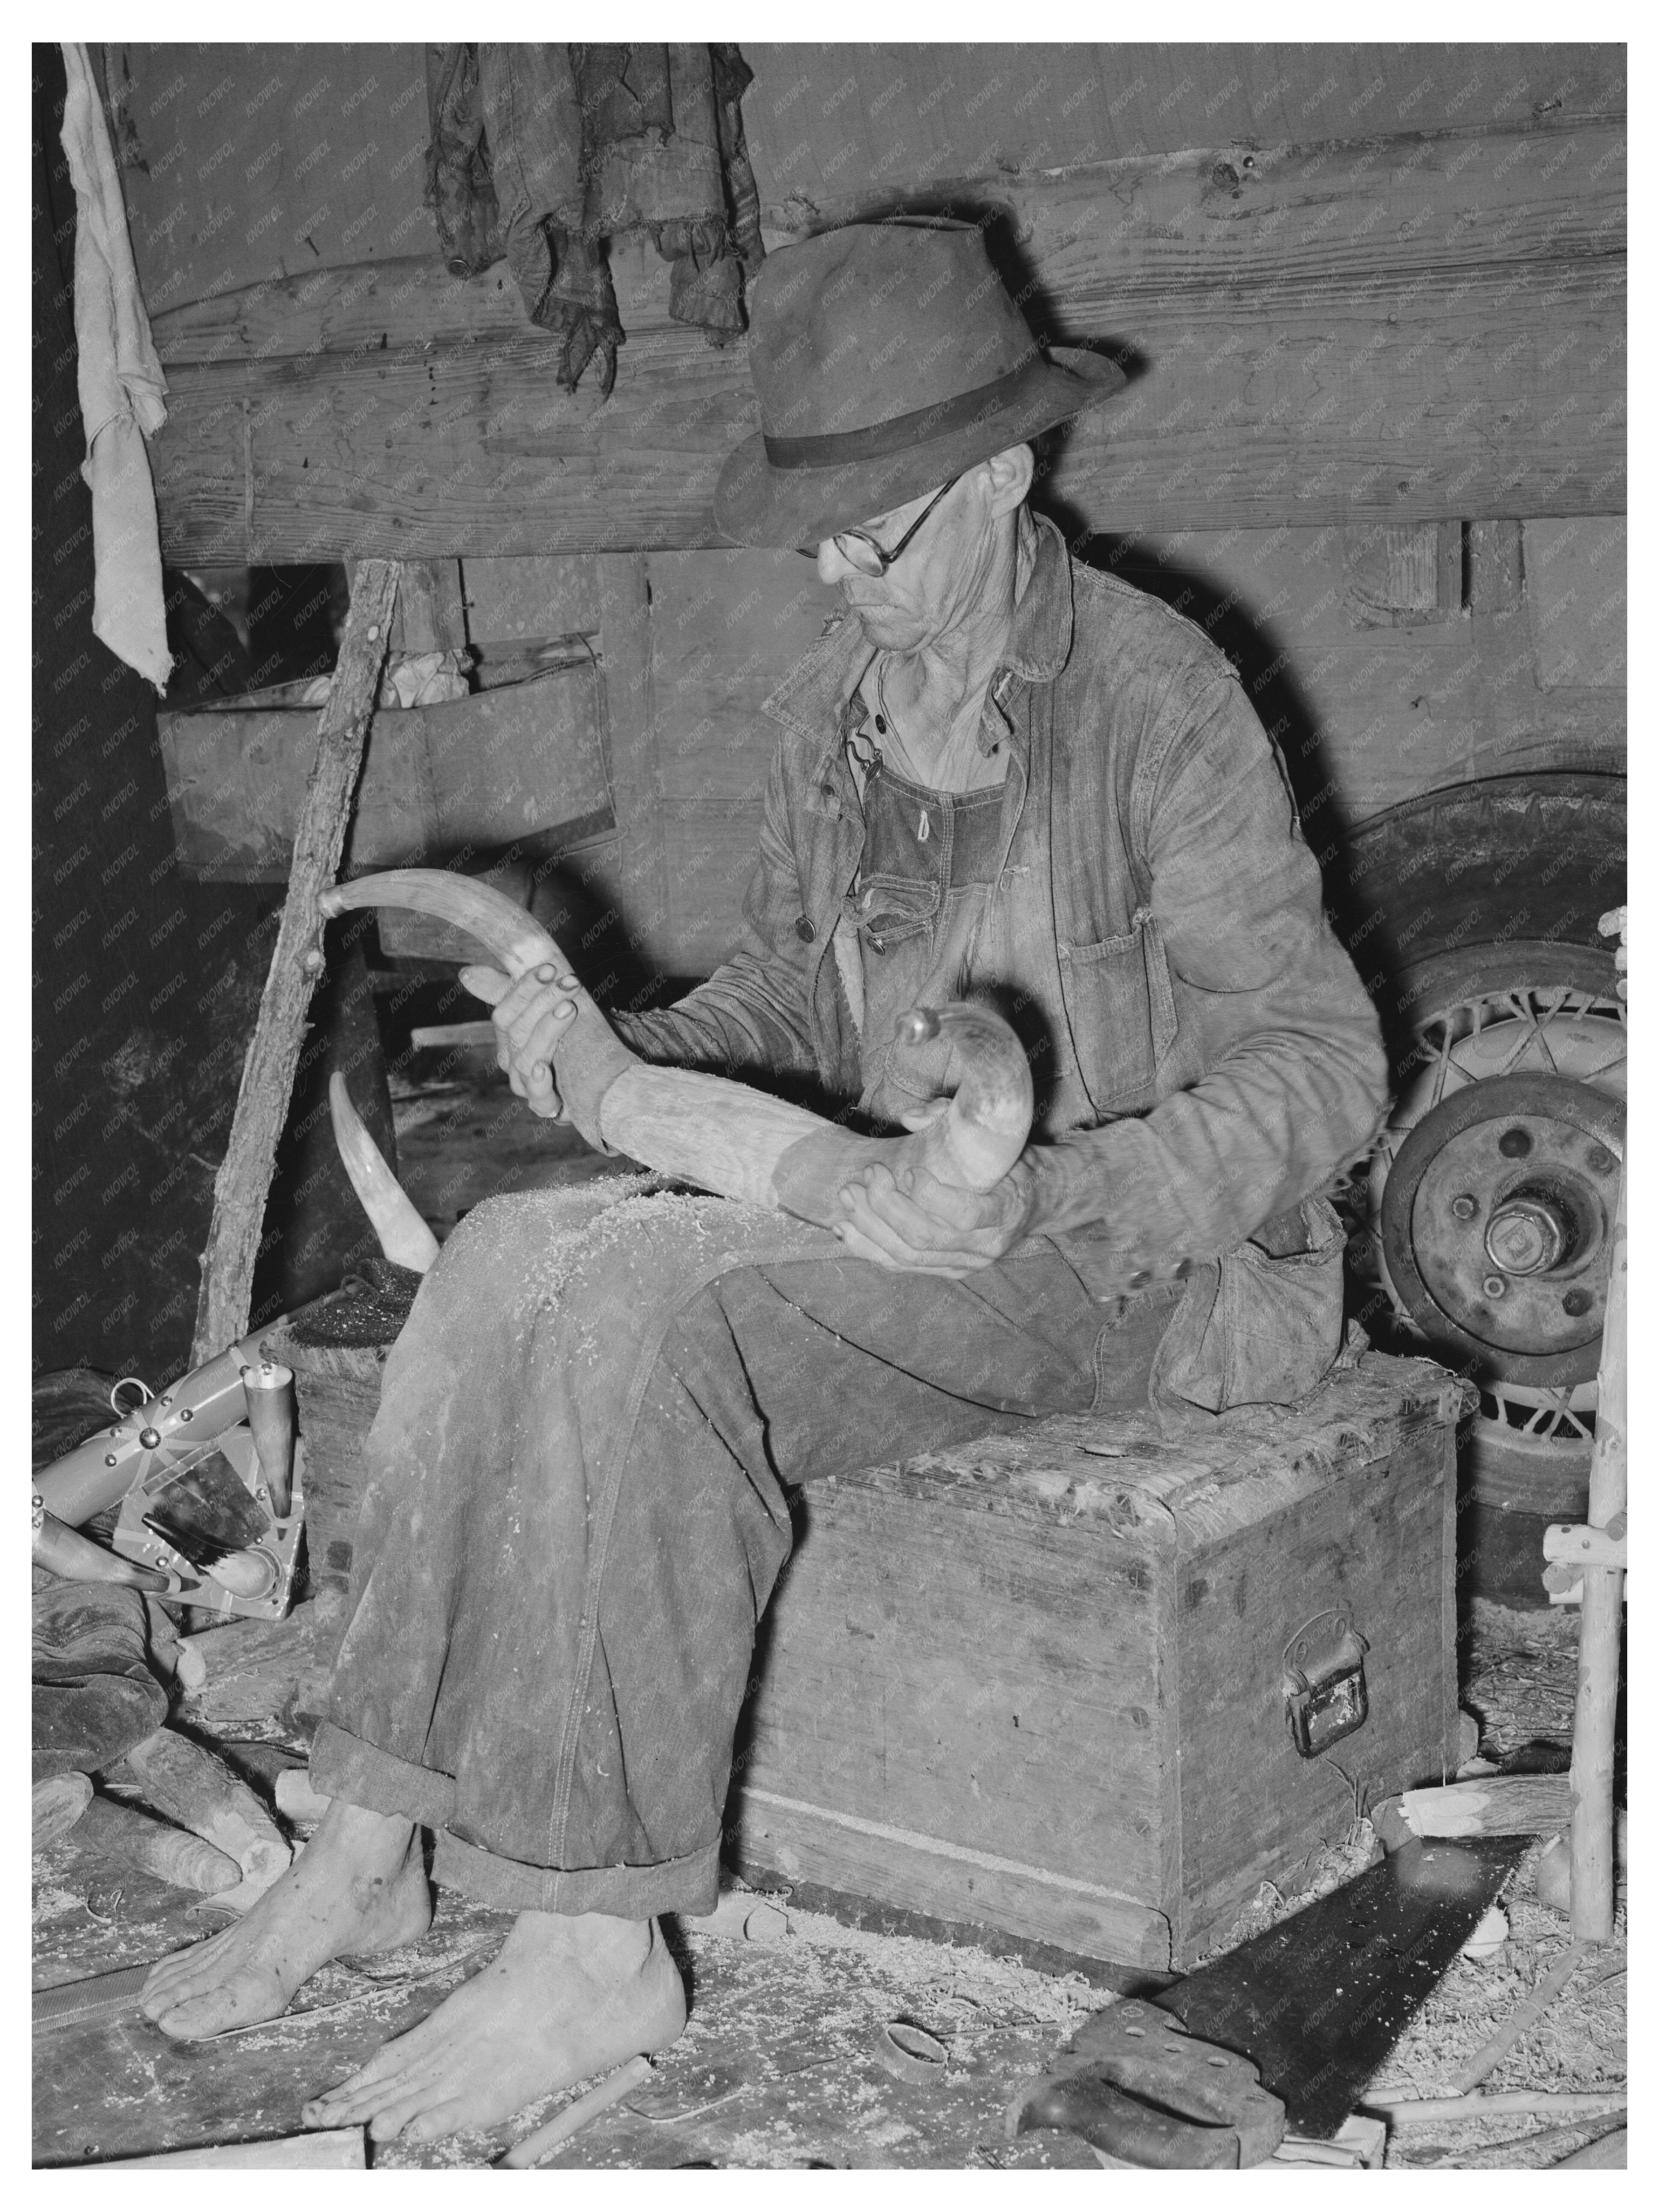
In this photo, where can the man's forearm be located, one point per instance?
(744, 1016)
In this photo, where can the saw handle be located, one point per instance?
(1120, 2124)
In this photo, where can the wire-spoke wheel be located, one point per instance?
(1509, 1193)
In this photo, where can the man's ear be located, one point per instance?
(1010, 475)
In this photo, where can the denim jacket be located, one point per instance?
(1203, 1054)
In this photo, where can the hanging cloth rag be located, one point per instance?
(122, 390)
(542, 154)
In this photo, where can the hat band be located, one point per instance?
(899, 431)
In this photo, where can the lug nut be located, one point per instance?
(1466, 1207)
(1494, 1286)
(1576, 1303)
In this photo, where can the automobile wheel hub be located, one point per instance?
(1496, 1223)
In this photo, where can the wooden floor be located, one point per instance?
(781, 2066)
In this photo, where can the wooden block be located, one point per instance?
(1394, 571)
(1494, 567)
(428, 617)
(1491, 1805)
(1577, 599)
(1022, 1683)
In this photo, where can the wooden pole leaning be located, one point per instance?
(243, 1181)
(1600, 1623)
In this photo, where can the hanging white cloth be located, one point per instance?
(122, 390)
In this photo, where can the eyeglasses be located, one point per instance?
(861, 552)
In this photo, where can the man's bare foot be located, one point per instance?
(566, 1997)
(358, 1886)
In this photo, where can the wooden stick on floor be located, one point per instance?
(1600, 1625)
(244, 1179)
(1521, 2022)
(536, 2147)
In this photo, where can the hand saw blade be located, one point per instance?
(1320, 2001)
(205, 1512)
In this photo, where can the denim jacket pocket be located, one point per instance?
(1120, 1005)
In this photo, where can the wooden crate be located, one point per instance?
(1036, 1684)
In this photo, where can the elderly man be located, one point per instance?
(997, 771)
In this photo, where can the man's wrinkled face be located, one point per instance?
(936, 579)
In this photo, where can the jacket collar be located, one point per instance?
(811, 696)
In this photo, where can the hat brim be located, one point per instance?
(756, 503)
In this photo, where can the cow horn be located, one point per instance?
(404, 1237)
(730, 1138)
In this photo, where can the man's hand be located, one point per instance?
(532, 1018)
(912, 1221)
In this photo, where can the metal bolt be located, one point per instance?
(1515, 1143)
(1494, 1286)
(1466, 1207)
(1576, 1303)
(1600, 1160)
(1526, 1235)
(149, 1438)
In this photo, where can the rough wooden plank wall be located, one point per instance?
(821, 118)
(1413, 328)
(241, 163)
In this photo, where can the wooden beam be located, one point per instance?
(816, 116)
(1416, 330)
(244, 1178)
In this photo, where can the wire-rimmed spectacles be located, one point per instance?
(860, 550)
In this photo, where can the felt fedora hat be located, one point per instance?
(886, 357)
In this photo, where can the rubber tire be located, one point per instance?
(1429, 888)
(1470, 868)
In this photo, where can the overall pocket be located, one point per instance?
(1120, 1005)
(890, 910)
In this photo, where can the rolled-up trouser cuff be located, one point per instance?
(691, 1884)
(344, 1766)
